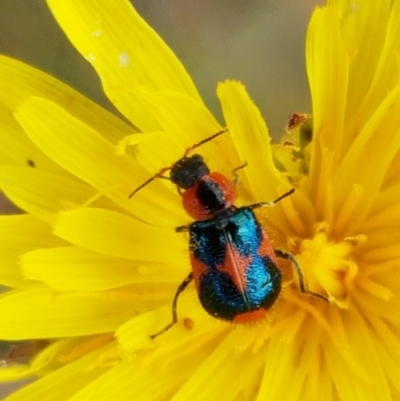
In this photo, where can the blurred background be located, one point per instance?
(259, 42)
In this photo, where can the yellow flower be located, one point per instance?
(94, 272)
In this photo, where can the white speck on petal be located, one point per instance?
(354, 7)
(90, 57)
(96, 34)
(124, 60)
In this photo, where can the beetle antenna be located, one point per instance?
(163, 170)
(157, 175)
(196, 145)
(273, 203)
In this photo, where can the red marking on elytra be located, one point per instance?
(199, 269)
(266, 248)
(251, 316)
(235, 265)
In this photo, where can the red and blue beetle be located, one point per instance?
(234, 265)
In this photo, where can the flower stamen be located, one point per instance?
(328, 265)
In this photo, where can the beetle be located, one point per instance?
(234, 265)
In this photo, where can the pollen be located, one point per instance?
(329, 266)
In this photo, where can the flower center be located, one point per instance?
(328, 267)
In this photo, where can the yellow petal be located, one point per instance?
(16, 149)
(187, 123)
(20, 234)
(128, 55)
(17, 372)
(45, 313)
(249, 132)
(387, 68)
(77, 269)
(39, 354)
(327, 68)
(85, 153)
(135, 334)
(44, 194)
(185, 119)
(198, 381)
(213, 378)
(129, 381)
(364, 26)
(367, 356)
(19, 81)
(65, 382)
(117, 235)
(374, 148)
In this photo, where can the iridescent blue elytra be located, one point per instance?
(235, 272)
